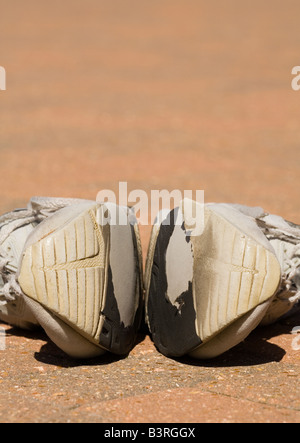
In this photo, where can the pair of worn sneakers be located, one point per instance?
(74, 267)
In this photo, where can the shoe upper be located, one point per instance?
(12, 307)
(285, 239)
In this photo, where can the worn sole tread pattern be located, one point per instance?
(68, 261)
(232, 275)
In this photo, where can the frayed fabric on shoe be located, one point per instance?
(285, 239)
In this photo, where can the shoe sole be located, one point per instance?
(231, 274)
(68, 272)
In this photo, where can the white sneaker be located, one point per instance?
(75, 275)
(206, 293)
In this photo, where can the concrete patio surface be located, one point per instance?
(166, 94)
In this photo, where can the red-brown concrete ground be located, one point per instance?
(174, 94)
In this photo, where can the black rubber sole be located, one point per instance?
(173, 329)
(114, 336)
